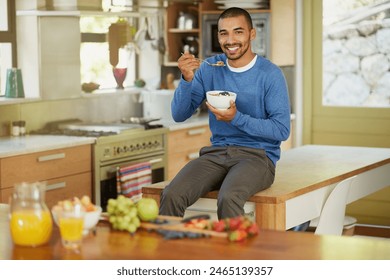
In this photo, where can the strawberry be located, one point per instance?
(237, 235)
(234, 223)
(252, 230)
(219, 226)
(245, 224)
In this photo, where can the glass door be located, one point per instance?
(346, 73)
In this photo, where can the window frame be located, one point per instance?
(9, 36)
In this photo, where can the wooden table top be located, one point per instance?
(304, 169)
(107, 244)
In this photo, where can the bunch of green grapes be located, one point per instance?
(123, 214)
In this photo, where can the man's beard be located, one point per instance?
(236, 55)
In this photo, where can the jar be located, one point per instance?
(191, 44)
(15, 129)
(22, 128)
(30, 220)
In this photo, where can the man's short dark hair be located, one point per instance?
(235, 12)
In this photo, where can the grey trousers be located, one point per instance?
(237, 172)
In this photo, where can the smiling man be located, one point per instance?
(246, 138)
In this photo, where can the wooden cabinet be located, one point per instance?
(282, 28)
(283, 32)
(184, 145)
(67, 172)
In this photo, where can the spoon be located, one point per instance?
(218, 63)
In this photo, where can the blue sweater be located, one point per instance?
(263, 109)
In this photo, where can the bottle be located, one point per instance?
(31, 223)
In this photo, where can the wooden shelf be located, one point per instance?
(183, 31)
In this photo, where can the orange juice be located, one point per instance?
(31, 228)
(71, 229)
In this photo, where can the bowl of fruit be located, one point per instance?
(220, 99)
(92, 212)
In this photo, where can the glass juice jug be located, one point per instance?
(30, 220)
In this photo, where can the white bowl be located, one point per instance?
(90, 218)
(221, 102)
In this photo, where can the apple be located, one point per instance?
(147, 209)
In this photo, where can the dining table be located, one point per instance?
(105, 243)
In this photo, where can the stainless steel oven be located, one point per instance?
(117, 144)
(127, 149)
(261, 45)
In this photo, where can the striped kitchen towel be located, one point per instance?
(131, 179)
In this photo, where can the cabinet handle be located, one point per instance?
(51, 157)
(193, 155)
(56, 186)
(156, 160)
(196, 131)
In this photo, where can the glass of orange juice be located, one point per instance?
(71, 223)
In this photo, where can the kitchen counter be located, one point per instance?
(14, 146)
(108, 244)
(200, 120)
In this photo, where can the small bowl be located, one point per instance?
(91, 218)
(218, 101)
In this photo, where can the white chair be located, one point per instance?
(332, 217)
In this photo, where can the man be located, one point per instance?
(246, 137)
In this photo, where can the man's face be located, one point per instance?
(234, 36)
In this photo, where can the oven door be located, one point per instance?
(106, 180)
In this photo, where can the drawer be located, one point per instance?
(44, 166)
(178, 160)
(60, 189)
(182, 140)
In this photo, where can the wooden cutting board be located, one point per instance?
(175, 224)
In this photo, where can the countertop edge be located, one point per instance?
(15, 146)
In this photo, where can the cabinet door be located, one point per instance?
(60, 189)
(184, 146)
(46, 165)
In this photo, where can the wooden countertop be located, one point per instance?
(268, 245)
(307, 168)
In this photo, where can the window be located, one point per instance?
(356, 53)
(95, 53)
(7, 40)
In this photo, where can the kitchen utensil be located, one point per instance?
(217, 64)
(220, 99)
(178, 224)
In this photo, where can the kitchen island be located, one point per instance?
(304, 178)
(108, 244)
